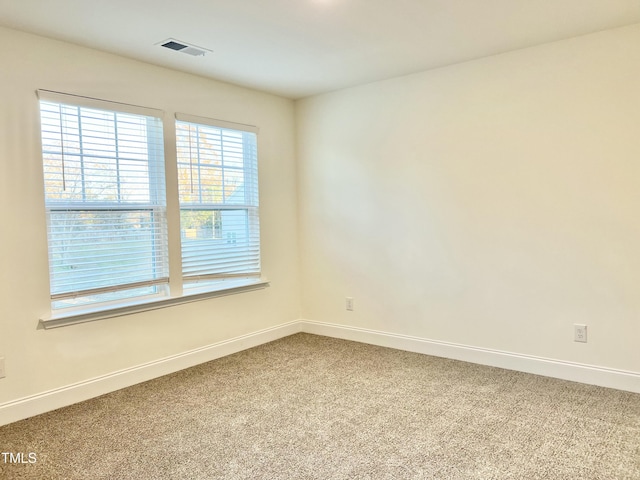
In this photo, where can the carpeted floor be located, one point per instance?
(310, 407)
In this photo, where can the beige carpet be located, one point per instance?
(319, 408)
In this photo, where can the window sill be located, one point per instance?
(62, 319)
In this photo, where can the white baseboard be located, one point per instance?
(61, 397)
(589, 374)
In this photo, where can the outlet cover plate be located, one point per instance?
(349, 303)
(579, 333)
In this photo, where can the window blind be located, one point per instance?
(104, 187)
(218, 194)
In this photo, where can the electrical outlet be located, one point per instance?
(349, 304)
(2, 374)
(579, 333)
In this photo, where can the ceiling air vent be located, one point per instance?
(182, 47)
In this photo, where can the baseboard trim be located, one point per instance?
(61, 397)
(589, 374)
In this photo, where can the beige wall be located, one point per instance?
(39, 360)
(492, 203)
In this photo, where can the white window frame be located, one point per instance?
(199, 272)
(173, 285)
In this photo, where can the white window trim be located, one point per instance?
(90, 314)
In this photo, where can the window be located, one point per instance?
(105, 201)
(106, 206)
(218, 193)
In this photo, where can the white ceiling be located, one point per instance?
(297, 48)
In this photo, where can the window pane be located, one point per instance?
(89, 154)
(218, 242)
(218, 193)
(95, 249)
(105, 197)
